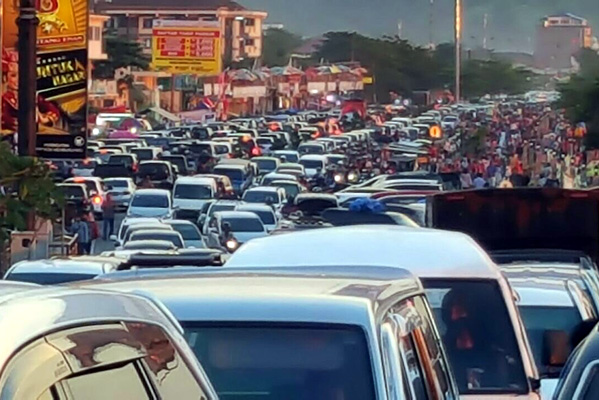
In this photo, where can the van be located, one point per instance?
(473, 304)
(311, 333)
(190, 193)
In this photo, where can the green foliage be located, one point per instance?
(402, 67)
(580, 96)
(121, 53)
(278, 46)
(27, 186)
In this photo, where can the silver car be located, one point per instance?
(310, 332)
(62, 343)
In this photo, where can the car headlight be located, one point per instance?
(232, 244)
(352, 177)
(338, 178)
(95, 132)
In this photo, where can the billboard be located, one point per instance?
(62, 72)
(187, 47)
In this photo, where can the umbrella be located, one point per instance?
(242, 75)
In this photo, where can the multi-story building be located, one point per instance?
(96, 44)
(559, 38)
(241, 29)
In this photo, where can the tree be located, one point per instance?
(580, 100)
(121, 53)
(278, 46)
(27, 187)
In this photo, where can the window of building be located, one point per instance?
(249, 42)
(95, 33)
(250, 22)
(147, 23)
(148, 43)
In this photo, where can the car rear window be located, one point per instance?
(48, 278)
(255, 196)
(187, 231)
(117, 183)
(73, 192)
(266, 165)
(155, 171)
(150, 200)
(192, 192)
(232, 174)
(143, 154)
(312, 164)
(167, 236)
(284, 362)
(245, 224)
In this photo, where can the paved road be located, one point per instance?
(101, 245)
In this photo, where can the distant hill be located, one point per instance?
(511, 23)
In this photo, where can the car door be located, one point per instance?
(118, 360)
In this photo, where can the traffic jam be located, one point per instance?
(362, 252)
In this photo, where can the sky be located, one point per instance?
(511, 24)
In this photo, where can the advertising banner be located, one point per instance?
(187, 47)
(62, 71)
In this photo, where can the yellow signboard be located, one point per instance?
(368, 80)
(186, 47)
(62, 72)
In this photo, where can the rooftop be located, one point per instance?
(208, 5)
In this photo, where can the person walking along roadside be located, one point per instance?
(108, 215)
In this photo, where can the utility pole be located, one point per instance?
(485, 26)
(431, 21)
(458, 49)
(27, 45)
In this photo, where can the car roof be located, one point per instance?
(285, 181)
(153, 231)
(314, 157)
(283, 152)
(59, 308)
(429, 253)
(152, 192)
(154, 162)
(62, 266)
(279, 176)
(196, 180)
(178, 222)
(237, 215)
(308, 294)
(265, 158)
(118, 179)
(263, 189)
(240, 167)
(254, 207)
(149, 242)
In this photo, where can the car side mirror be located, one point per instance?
(556, 347)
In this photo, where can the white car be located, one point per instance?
(191, 192)
(314, 162)
(189, 232)
(245, 226)
(270, 195)
(96, 190)
(269, 217)
(150, 203)
(121, 190)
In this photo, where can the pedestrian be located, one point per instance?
(479, 182)
(108, 215)
(466, 179)
(81, 228)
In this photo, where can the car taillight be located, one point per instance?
(97, 200)
(256, 151)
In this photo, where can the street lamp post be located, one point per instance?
(458, 49)
(27, 45)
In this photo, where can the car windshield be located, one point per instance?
(290, 189)
(266, 165)
(289, 157)
(221, 207)
(543, 322)
(120, 160)
(73, 192)
(188, 231)
(232, 174)
(167, 236)
(267, 217)
(256, 196)
(312, 164)
(155, 171)
(150, 200)
(117, 183)
(245, 224)
(192, 192)
(478, 335)
(284, 362)
(311, 149)
(143, 154)
(41, 278)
